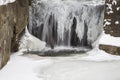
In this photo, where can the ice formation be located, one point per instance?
(70, 23)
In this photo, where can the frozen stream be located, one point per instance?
(95, 65)
(83, 70)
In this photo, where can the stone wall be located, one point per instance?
(13, 19)
(112, 18)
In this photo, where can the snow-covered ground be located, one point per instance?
(4, 2)
(109, 40)
(95, 65)
(21, 68)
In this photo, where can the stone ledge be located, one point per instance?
(110, 49)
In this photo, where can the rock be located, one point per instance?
(13, 19)
(112, 16)
(22, 13)
(110, 49)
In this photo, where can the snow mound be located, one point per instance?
(4, 2)
(29, 42)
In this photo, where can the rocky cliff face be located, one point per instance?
(112, 24)
(13, 19)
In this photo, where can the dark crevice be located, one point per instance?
(84, 41)
(66, 37)
(74, 38)
(14, 41)
(40, 31)
(51, 37)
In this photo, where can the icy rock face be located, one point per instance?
(75, 23)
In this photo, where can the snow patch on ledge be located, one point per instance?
(110, 40)
(4, 2)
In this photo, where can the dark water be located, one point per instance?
(55, 53)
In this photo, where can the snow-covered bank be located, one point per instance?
(109, 40)
(4, 2)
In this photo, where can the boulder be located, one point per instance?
(13, 19)
(110, 49)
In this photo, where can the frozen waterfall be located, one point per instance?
(68, 23)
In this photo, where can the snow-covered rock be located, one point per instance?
(110, 44)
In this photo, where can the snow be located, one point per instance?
(83, 70)
(116, 22)
(4, 2)
(21, 68)
(118, 8)
(110, 10)
(29, 42)
(109, 40)
(99, 55)
(94, 65)
(107, 22)
(114, 2)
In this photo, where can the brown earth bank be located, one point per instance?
(13, 19)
